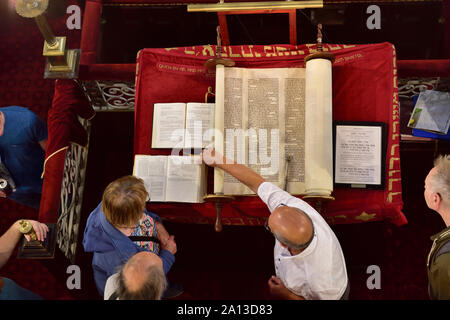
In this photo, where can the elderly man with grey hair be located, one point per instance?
(309, 261)
(141, 278)
(437, 197)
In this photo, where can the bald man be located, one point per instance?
(437, 197)
(141, 278)
(309, 262)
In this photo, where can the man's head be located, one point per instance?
(292, 227)
(142, 278)
(437, 185)
(123, 203)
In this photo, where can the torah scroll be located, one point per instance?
(319, 126)
(218, 124)
(273, 101)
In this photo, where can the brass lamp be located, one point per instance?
(61, 63)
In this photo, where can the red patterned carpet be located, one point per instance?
(234, 264)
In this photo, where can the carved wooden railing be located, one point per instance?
(72, 189)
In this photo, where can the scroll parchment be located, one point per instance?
(264, 125)
(319, 126)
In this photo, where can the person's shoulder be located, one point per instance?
(15, 109)
(443, 247)
(149, 213)
(268, 188)
(111, 286)
(96, 209)
(94, 216)
(443, 260)
(152, 215)
(111, 282)
(25, 115)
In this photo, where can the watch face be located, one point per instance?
(7, 184)
(5, 187)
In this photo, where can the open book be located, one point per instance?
(264, 126)
(181, 125)
(172, 178)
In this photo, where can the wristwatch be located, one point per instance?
(26, 228)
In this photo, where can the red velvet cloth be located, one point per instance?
(91, 31)
(424, 68)
(69, 102)
(124, 71)
(364, 89)
(51, 188)
(63, 125)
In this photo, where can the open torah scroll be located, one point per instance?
(355, 70)
(276, 122)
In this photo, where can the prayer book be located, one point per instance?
(182, 125)
(172, 178)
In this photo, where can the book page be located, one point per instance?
(294, 92)
(152, 169)
(265, 123)
(184, 179)
(168, 125)
(199, 120)
(358, 154)
(235, 122)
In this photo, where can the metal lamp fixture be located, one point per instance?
(265, 5)
(61, 63)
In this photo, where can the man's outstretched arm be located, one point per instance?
(244, 174)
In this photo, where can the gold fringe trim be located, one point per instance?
(46, 159)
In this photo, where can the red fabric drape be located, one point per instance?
(69, 102)
(364, 89)
(63, 125)
(91, 31)
(51, 188)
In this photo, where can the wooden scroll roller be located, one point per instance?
(218, 200)
(219, 64)
(218, 60)
(318, 110)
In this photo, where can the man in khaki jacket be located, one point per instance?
(437, 197)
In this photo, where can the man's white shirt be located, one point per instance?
(111, 286)
(319, 271)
